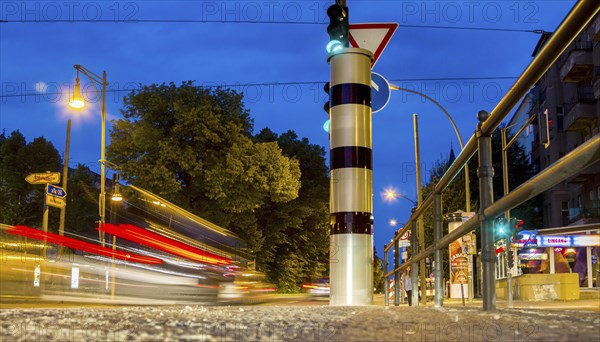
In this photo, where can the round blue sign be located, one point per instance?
(380, 92)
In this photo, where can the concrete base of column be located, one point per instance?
(351, 269)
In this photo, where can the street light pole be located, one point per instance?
(78, 102)
(458, 136)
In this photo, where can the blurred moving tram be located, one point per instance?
(162, 253)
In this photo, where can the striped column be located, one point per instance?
(351, 193)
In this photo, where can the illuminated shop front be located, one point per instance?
(575, 253)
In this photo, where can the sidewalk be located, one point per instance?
(579, 305)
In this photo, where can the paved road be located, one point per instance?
(306, 320)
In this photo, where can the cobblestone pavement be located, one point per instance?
(296, 323)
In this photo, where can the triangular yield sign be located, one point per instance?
(372, 36)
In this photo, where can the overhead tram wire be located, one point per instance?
(199, 21)
(282, 84)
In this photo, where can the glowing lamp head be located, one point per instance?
(116, 197)
(334, 46)
(390, 195)
(77, 101)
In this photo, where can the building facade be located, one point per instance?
(569, 93)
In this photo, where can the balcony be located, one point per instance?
(590, 213)
(580, 116)
(577, 64)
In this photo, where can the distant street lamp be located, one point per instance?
(78, 102)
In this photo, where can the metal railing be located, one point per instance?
(586, 154)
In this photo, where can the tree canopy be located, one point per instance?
(21, 202)
(194, 146)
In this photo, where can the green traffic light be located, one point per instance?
(334, 46)
(501, 226)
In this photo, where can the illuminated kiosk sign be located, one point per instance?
(531, 240)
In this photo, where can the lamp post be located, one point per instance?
(458, 136)
(78, 102)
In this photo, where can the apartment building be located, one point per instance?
(569, 93)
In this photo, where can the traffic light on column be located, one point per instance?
(338, 28)
(511, 258)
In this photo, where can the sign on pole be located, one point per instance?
(380, 92)
(43, 178)
(56, 196)
(372, 36)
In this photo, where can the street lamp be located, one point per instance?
(391, 195)
(78, 102)
(458, 136)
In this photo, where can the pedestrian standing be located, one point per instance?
(407, 284)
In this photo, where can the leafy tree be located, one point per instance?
(194, 147)
(21, 202)
(378, 275)
(296, 245)
(82, 202)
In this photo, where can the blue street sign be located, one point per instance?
(380, 92)
(56, 191)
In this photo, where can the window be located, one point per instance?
(565, 213)
(560, 123)
(591, 198)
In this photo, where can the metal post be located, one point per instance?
(437, 255)
(415, 266)
(386, 287)
(420, 225)
(588, 255)
(63, 210)
(351, 207)
(550, 251)
(396, 275)
(485, 173)
(45, 220)
(102, 203)
(509, 294)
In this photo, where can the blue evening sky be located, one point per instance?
(223, 47)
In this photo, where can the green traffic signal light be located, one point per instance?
(501, 227)
(338, 28)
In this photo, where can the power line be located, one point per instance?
(262, 22)
(281, 84)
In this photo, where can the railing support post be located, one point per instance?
(414, 242)
(396, 276)
(438, 268)
(485, 172)
(386, 285)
